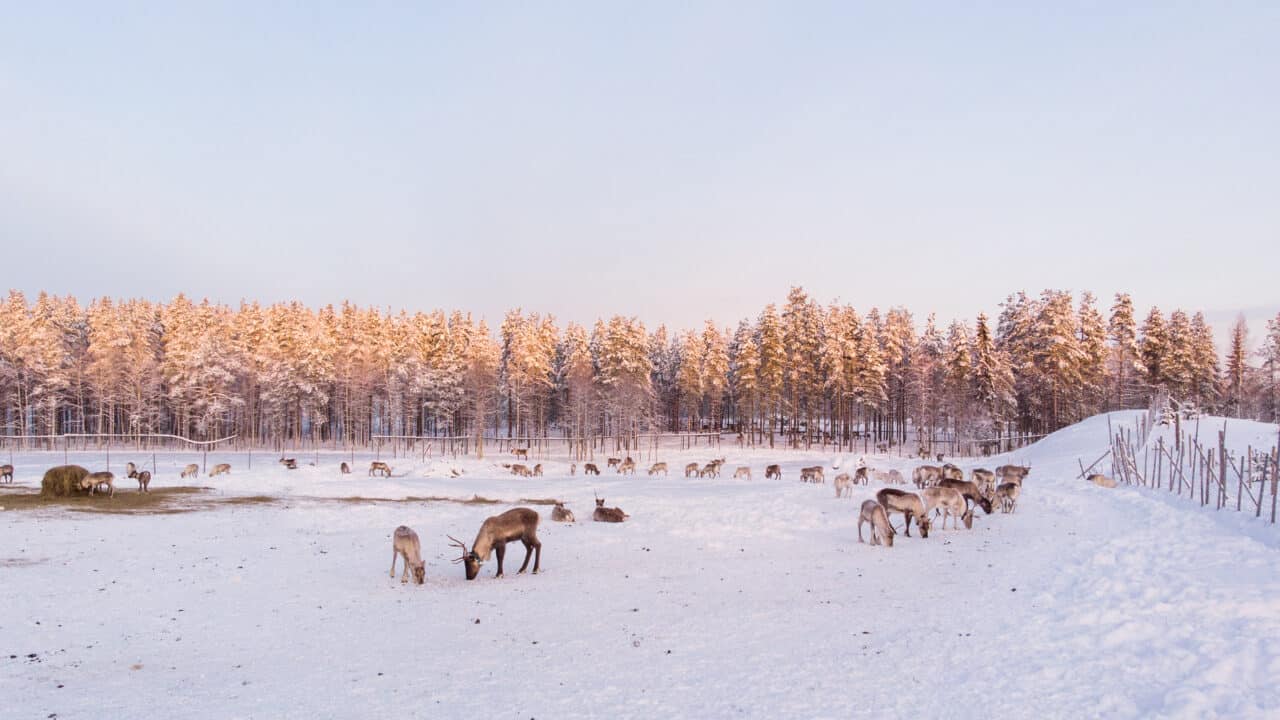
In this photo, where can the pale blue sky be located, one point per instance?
(671, 160)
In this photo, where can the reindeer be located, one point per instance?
(772, 472)
(1007, 495)
(522, 453)
(1013, 473)
(926, 476)
(573, 468)
(881, 529)
(93, 481)
(691, 469)
(537, 470)
(191, 470)
(144, 480)
(812, 474)
(742, 472)
(590, 469)
(950, 503)
(844, 485)
(380, 468)
(658, 467)
(710, 470)
(404, 543)
(860, 475)
(909, 504)
(290, 463)
(985, 480)
(613, 462)
(609, 515)
(923, 453)
(952, 472)
(560, 513)
(6, 473)
(130, 470)
(219, 469)
(521, 470)
(970, 492)
(345, 469)
(495, 532)
(627, 467)
(1100, 480)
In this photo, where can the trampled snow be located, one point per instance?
(717, 598)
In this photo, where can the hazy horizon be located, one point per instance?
(671, 163)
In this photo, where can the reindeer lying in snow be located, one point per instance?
(1007, 495)
(881, 530)
(950, 503)
(404, 543)
(1102, 480)
(773, 472)
(290, 463)
(610, 515)
(909, 504)
(515, 524)
(560, 513)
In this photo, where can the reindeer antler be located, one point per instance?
(460, 544)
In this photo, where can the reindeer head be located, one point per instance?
(599, 501)
(419, 572)
(924, 523)
(470, 561)
(888, 536)
(985, 504)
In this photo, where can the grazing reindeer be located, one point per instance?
(590, 469)
(516, 524)
(609, 515)
(345, 469)
(691, 469)
(290, 463)
(522, 453)
(926, 476)
(560, 513)
(404, 542)
(627, 467)
(1007, 495)
(844, 485)
(130, 470)
(812, 474)
(537, 470)
(772, 472)
(711, 470)
(144, 480)
(219, 469)
(380, 468)
(909, 504)
(191, 470)
(93, 481)
(613, 462)
(985, 480)
(742, 472)
(573, 468)
(521, 470)
(6, 473)
(970, 492)
(881, 529)
(951, 472)
(860, 475)
(951, 503)
(658, 467)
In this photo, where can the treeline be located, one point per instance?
(342, 374)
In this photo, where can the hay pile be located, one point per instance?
(62, 480)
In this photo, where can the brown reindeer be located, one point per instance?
(345, 469)
(191, 470)
(6, 473)
(860, 475)
(952, 472)
(379, 468)
(926, 476)
(909, 504)
(1013, 473)
(844, 485)
(950, 503)
(516, 524)
(710, 470)
(93, 481)
(658, 467)
(613, 462)
(144, 480)
(521, 470)
(970, 492)
(404, 543)
(130, 470)
(881, 529)
(1101, 480)
(1007, 495)
(773, 472)
(560, 513)
(590, 469)
(985, 480)
(537, 470)
(290, 463)
(573, 468)
(606, 514)
(522, 453)
(627, 467)
(691, 469)
(812, 474)
(220, 469)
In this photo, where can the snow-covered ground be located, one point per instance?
(718, 598)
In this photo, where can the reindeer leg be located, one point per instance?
(393, 562)
(501, 550)
(906, 523)
(528, 550)
(537, 555)
(860, 530)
